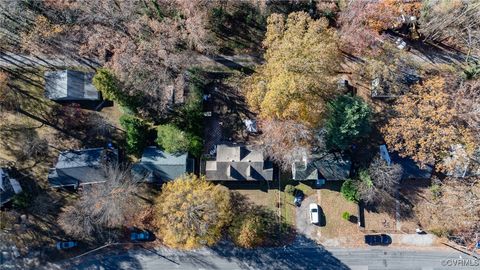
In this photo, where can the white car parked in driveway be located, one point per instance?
(314, 218)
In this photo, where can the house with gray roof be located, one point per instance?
(321, 167)
(70, 85)
(8, 187)
(75, 168)
(411, 170)
(238, 163)
(157, 166)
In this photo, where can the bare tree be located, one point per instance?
(379, 182)
(384, 176)
(285, 141)
(34, 148)
(467, 103)
(102, 206)
(454, 23)
(454, 211)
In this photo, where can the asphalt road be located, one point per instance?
(302, 256)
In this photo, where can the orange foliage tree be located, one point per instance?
(425, 124)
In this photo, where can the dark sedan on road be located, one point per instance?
(377, 239)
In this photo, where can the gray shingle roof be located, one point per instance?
(238, 163)
(157, 165)
(410, 169)
(78, 167)
(8, 187)
(326, 166)
(70, 85)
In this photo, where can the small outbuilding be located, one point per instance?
(75, 168)
(70, 85)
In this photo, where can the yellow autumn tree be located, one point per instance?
(302, 61)
(425, 125)
(191, 212)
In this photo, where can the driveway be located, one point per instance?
(302, 221)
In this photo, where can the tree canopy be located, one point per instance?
(302, 61)
(425, 124)
(191, 212)
(137, 133)
(348, 120)
(107, 83)
(174, 140)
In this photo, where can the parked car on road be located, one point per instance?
(377, 239)
(314, 216)
(66, 245)
(140, 236)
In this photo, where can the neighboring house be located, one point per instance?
(8, 187)
(75, 168)
(321, 168)
(70, 85)
(238, 163)
(411, 170)
(461, 163)
(403, 77)
(157, 166)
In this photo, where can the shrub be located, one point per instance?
(21, 200)
(346, 216)
(189, 116)
(436, 191)
(107, 83)
(441, 232)
(174, 140)
(195, 145)
(349, 191)
(472, 71)
(289, 189)
(136, 133)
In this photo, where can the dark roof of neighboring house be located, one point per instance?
(406, 77)
(410, 169)
(238, 163)
(8, 187)
(326, 166)
(78, 167)
(157, 165)
(70, 85)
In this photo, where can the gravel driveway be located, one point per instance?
(302, 223)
